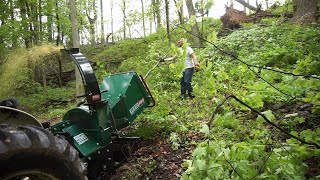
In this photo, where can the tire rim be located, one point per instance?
(30, 175)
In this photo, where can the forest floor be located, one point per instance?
(154, 159)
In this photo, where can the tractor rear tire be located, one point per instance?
(30, 152)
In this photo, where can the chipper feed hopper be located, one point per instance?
(86, 141)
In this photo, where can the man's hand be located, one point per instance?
(196, 67)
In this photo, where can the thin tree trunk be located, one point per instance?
(102, 23)
(92, 22)
(2, 22)
(180, 11)
(150, 21)
(124, 18)
(74, 24)
(23, 14)
(194, 28)
(29, 22)
(34, 26)
(75, 44)
(50, 21)
(111, 7)
(58, 24)
(40, 18)
(143, 21)
(12, 18)
(167, 20)
(60, 72)
(158, 14)
(153, 5)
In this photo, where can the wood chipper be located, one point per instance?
(85, 141)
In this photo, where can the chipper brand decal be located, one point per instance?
(80, 138)
(136, 106)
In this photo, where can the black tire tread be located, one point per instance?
(35, 141)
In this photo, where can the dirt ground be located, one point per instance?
(154, 159)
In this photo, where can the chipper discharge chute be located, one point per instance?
(91, 129)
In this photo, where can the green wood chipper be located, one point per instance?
(86, 141)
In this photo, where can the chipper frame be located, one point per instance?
(91, 129)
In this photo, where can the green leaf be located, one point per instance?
(200, 164)
(269, 115)
(205, 130)
(200, 152)
(299, 120)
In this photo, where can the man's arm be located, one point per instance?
(195, 60)
(170, 58)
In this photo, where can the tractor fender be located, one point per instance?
(17, 117)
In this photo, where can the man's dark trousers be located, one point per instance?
(186, 81)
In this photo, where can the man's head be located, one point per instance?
(180, 42)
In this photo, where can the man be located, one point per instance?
(191, 65)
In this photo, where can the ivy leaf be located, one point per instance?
(213, 164)
(254, 100)
(307, 134)
(205, 130)
(199, 152)
(200, 164)
(260, 120)
(269, 115)
(299, 120)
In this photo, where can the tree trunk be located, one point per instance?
(194, 28)
(50, 21)
(167, 20)
(124, 18)
(180, 11)
(143, 21)
(92, 21)
(34, 26)
(111, 9)
(305, 11)
(58, 24)
(267, 4)
(247, 5)
(40, 18)
(3, 19)
(74, 24)
(153, 5)
(23, 14)
(102, 23)
(75, 44)
(156, 12)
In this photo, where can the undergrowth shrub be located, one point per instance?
(18, 70)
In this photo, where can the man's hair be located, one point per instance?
(181, 40)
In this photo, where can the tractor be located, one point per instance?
(86, 140)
